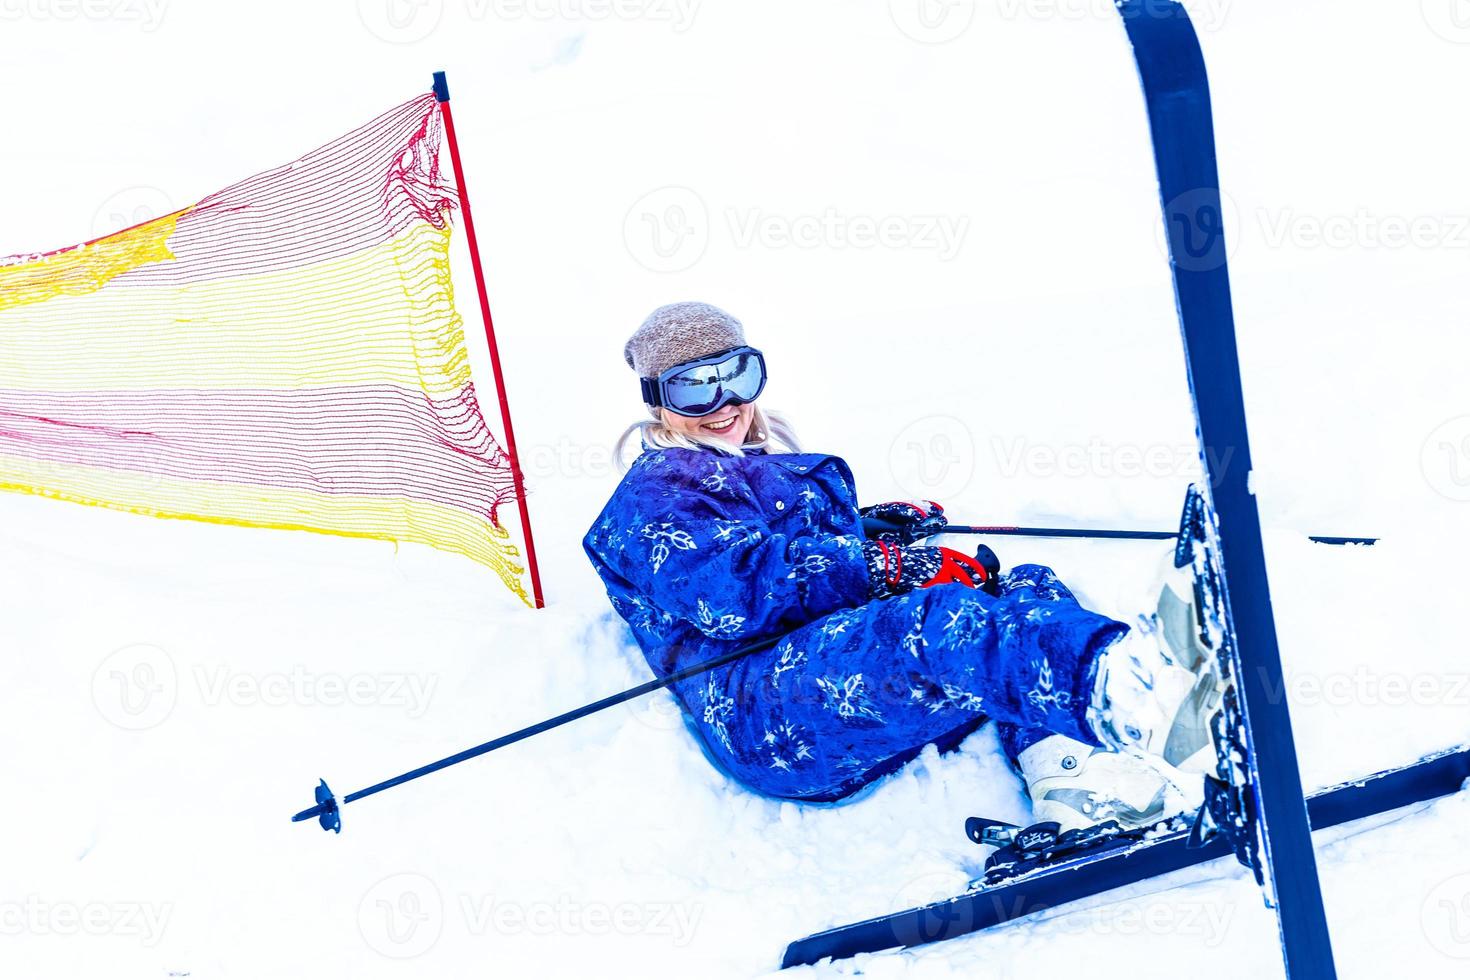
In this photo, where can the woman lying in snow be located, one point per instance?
(715, 539)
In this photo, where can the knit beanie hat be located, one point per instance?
(681, 332)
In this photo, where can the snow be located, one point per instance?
(949, 253)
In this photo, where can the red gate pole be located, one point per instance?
(441, 92)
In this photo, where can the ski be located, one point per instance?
(1254, 805)
(1070, 879)
(1258, 799)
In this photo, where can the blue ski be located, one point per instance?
(1256, 807)
(1053, 885)
(1259, 800)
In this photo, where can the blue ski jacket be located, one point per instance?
(702, 552)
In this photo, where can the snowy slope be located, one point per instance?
(1010, 348)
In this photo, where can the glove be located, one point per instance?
(894, 569)
(902, 521)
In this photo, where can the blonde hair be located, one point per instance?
(768, 430)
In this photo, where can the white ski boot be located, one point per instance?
(1158, 686)
(1078, 786)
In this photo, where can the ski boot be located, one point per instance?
(1159, 687)
(1084, 800)
(1076, 785)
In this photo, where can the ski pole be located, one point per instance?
(328, 809)
(1083, 532)
(872, 526)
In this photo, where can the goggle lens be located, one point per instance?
(703, 388)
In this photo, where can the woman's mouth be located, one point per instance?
(720, 426)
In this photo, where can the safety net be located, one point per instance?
(285, 353)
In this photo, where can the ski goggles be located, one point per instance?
(696, 388)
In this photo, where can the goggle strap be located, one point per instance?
(650, 391)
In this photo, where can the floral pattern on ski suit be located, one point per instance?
(703, 552)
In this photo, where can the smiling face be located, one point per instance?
(730, 424)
